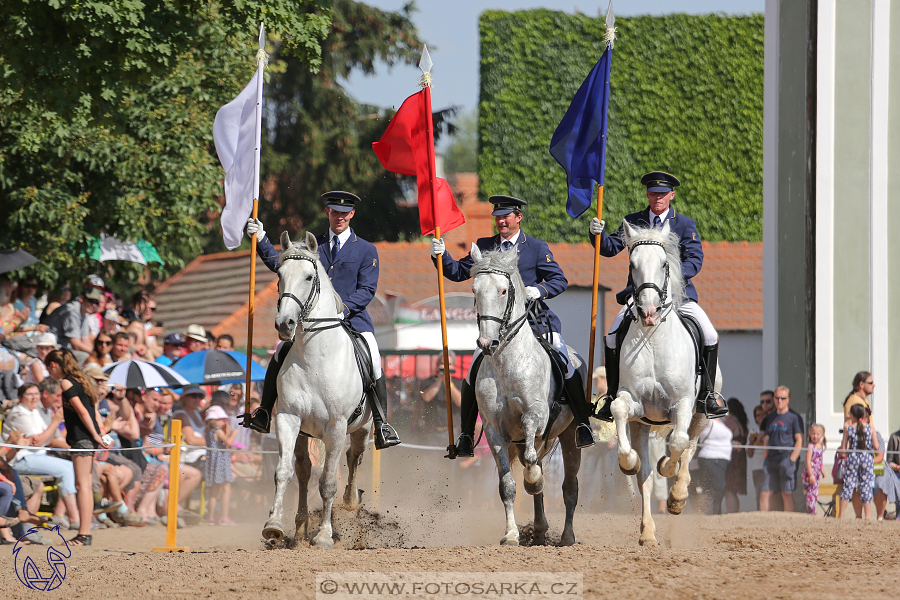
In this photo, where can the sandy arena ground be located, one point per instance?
(742, 556)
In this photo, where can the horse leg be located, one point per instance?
(540, 521)
(303, 467)
(640, 436)
(334, 441)
(534, 471)
(500, 451)
(629, 461)
(679, 439)
(352, 494)
(571, 464)
(679, 492)
(288, 427)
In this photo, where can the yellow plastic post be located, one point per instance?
(376, 479)
(174, 471)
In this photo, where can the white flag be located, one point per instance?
(236, 132)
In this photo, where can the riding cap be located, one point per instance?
(659, 181)
(503, 205)
(340, 201)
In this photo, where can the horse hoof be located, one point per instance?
(630, 471)
(648, 542)
(273, 530)
(323, 541)
(535, 488)
(675, 506)
(509, 541)
(659, 465)
(567, 540)
(302, 529)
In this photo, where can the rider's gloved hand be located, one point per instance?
(532, 293)
(255, 226)
(437, 247)
(597, 226)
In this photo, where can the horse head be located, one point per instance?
(654, 271)
(499, 295)
(298, 283)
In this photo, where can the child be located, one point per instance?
(859, 471)
(218, 474)
(814, 469)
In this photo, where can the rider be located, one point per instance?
(352, 265)
(543, 279)
(660, 192)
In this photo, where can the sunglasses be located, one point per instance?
(151, 308)
(29, 284)
(782, 397)
(93, 302)
(870, 383)
(104, 342)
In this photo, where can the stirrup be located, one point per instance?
(465, 445)
(604, 413)
(385, 437)
(259, 420)
(710, 405)
(584, 437)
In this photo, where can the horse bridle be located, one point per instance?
(507, 329)
(311, 299)
(663, 293)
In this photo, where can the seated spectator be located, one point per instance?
(26, 418)
(193, 429)
(888, 489)
(138, 303)
(113, 322)
(25, 499)
(51, 400)
(195, 339)
(100, 354)
(151, 331)
(63, 296)
(36, 370)
(70, 321)
(121, 347)
(171, 350)
(225, 342)
(139, 348)
(25, 297)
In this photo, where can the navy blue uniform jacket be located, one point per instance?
(536, 267)
(354, 274)
(691, 248)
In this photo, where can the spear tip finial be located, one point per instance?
(425, 64)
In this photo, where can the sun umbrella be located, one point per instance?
(10, 260)
(107, 248)
(143, 374)
(217, 366)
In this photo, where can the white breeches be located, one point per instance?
(710, 335)
(556, 341)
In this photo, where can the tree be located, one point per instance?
(461, 155)
(106, 111)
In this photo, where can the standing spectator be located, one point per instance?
(863, 386)
(888, 489)
(100, 354)
(767, 402)
(82, 432)
(713, 457)
(171, 349)
(225, 342)
(736, 474)
(815, 450)
(121, 347)
(859, 471)
(195, 339)
(783, 428)
(218, 475)
(36, 370)
(70, 324)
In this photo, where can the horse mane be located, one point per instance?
(300, 249)
(671, 244)
(508, 262)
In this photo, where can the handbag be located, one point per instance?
(837, 470)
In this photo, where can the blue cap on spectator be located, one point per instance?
(174, 339)
(193, 390)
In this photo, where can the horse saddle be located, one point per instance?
(364, 364)
(558, 369)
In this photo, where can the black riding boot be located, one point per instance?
(468, 411)
(261, 418)
(707, 399)
(385, 436)
(604, 413)
(574, 388)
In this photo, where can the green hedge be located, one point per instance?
(687, 98)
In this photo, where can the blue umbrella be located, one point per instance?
(217, 367)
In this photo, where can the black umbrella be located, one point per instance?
(10, 260)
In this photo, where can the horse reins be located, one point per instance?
(664, 292)
(311, 299)
(507, 329)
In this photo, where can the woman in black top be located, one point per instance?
(82, 432)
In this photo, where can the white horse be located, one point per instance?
(319, 390)
(658, 364)
(513, 387)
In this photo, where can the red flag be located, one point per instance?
(403, 149)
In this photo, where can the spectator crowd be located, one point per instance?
(57, 400)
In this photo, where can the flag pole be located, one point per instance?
(594, 294)
(425, 65)
(261, 60)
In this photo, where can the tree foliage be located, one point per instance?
(686, 97)
(106, 111)
(461, 154)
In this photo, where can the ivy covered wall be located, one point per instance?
(686, 98)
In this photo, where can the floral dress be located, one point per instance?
(811, 484)
(218, 462)
(859, 471)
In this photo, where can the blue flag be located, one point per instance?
(579, 143)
